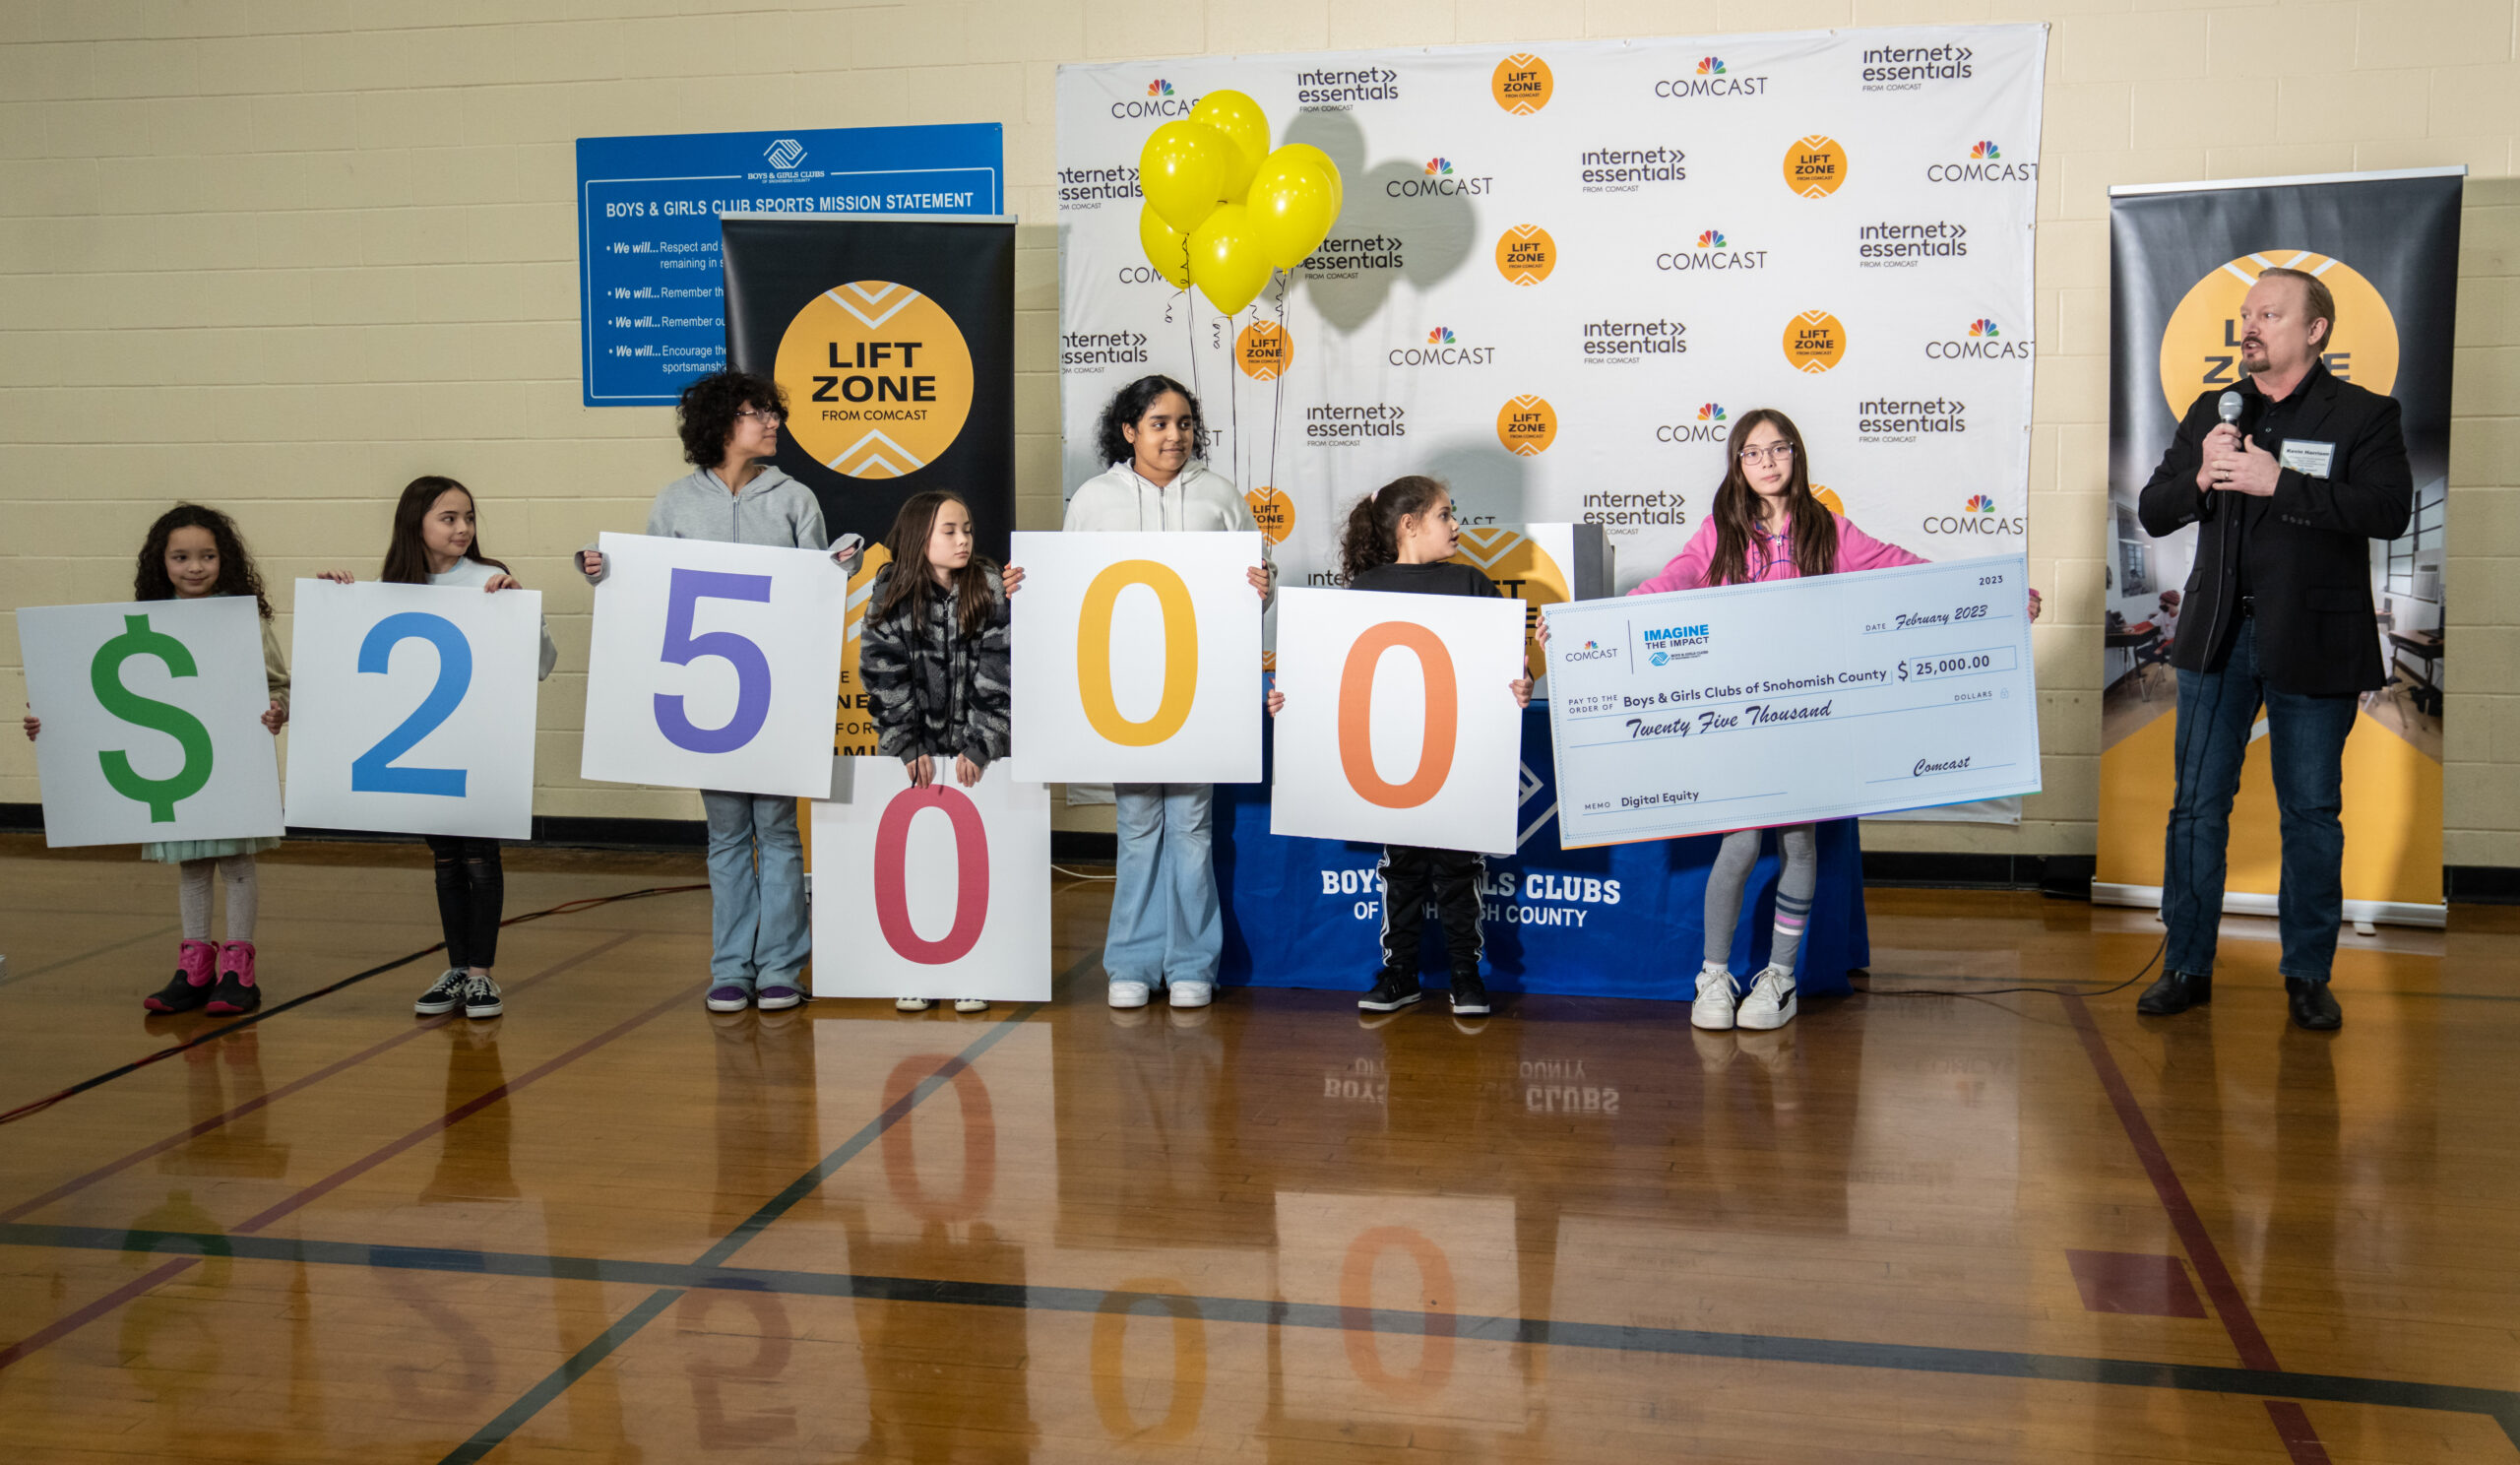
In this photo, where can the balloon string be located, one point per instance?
(1277, 407)
(1233, 397)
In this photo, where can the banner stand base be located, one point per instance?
(2243, 903)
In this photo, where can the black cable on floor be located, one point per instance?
(565, 907)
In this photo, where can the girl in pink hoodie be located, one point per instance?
(1765, 525)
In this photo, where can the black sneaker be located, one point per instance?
(1392, 992)
(480, 998)
(1469, 995)
(443, 994)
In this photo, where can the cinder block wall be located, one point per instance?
(282, 255)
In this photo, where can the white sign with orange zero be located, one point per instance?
(935, 892)
(1137, 659)
(1400, 723)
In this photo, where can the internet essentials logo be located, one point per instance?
(785, 153)
(1665, 645)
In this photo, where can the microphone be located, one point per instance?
(2229, 408)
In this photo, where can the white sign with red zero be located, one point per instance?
(935, 892)
(1136, 658)
(1400, 723)
(152, 721)
(714, 666)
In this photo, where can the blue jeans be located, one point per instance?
(1167, 925)
(757, 933)
(2305, 736)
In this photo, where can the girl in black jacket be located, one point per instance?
(934, 656)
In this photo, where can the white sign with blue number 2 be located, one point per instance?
(413, 709)
(714, 666)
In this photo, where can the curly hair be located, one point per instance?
(236, 574)
(1372, 537)
(706, 416)
(1129, 407)
(407, 554)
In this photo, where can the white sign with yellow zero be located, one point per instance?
(1137, 659)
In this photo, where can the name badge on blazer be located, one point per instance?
(2306, 458)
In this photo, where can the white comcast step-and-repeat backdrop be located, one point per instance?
(1559, 277)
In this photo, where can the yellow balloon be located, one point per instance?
(1338, 184)
(1166, 248)
(1181, 170)
(1294, 203)
(1225, 261)
(1245, 125)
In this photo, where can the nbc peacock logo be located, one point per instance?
(1980, 503)
(1440, 336)
(1711, 239)
(1984, 151)
(1439, 168)
(879, 376)
(1983, 327)
(1710, 66)
(1158, 87)
(1712, 411)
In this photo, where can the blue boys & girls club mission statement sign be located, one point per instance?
(652, 301)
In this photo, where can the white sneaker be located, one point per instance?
(912, 1005)
(1192, 993)
(971, 1004)
(1771, 1002)
(1129, 993)
(1716, 996)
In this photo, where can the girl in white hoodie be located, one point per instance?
(1166, 929)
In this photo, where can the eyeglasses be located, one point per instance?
(1773, 453)
(765, 419)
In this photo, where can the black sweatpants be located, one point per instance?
(472, 891)
(1410, 873)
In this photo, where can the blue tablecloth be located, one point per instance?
(1627, 921)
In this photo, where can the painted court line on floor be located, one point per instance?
(81, 1316)
(294, 1085)
(675, 1278)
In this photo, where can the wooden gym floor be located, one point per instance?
(610, 1226)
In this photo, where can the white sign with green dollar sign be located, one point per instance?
(151, 717)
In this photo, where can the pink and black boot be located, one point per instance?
(190, 986)
(236, 991)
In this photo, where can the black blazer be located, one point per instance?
(2310, 556)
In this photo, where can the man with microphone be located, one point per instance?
(2289, 478)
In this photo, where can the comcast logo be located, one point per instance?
(785, 153)
(1440, 336)
(1439, 168)
(1711, 239)
(1986, 152)
(1158, 87)
(1710, 66)
(1983, 328)
(1712, 411)
(1981, 504)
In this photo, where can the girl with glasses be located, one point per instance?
(1766, 525)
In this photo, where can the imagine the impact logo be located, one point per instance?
(1710, 66)
(1986, 152)
(1711, 239)
(1440, 336)
(1158, 87)
(1439, 168)
(1980, 503)
(1983, 328)
(1712, 411)
(785, 153)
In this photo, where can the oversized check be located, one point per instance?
(1792, 700)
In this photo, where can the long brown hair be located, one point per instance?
(912, 576)
(236, 574)
(406, 555)
(1372, 537)
(1811, 537)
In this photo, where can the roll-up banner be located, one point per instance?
(2386, 245)
(894, 338)
(1559, 276)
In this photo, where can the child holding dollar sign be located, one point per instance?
(1766, 524)
(194, 551)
